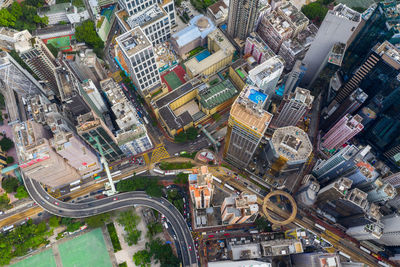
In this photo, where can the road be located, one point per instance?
(91, 208)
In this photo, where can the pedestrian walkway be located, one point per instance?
(159, 153)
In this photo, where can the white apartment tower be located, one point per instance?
(138, 54)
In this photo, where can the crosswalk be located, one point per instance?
(159, 153)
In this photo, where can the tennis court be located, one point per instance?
(63, 42)
(85, 250)
(43, 259)
(174, 78)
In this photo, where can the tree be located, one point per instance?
(181, 178)
(6, 143)
(6, 18)
(132, 237)
(153, 229)
(21, 192)
(154, 190)
(191, 133)
(4, 202)
(52, 49)
(9, 160)
(180, 137)
(262, 224)
(142, 258)
(15, 9)
(10, 184)
(97, 220)
(86, 33)
(162, 252)
(54, 221)
(315, 11)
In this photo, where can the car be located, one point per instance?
(190, 248)
(115, 198)
(226, 234)
(56, 203)
(210, 236)
(40, 214)
(1, 212)
(47, 197)
(60, 211)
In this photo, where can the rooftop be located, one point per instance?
(337, 53)
(54, 9)
(215, 95)
(281, 247)
(224, 49)
(217, 7)
(296, 17)
(344, 11)
(53, 29)
(280, 24)
(389, 52)
(133, 41)
(199, 27)
(292, 143)
(146, 16)
(303, 96)
(270, 67)
(250, 114)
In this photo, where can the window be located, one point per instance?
(140, 67)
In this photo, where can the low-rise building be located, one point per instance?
(239, 209)
(194, 35)
(54, 31)
(281, 247)
(221, 54)
(218, 12)
(65, 12)
(257, 48)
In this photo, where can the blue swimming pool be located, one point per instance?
(203, 55)
(257, 96)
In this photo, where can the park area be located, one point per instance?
(174, 78)
(62, 43)
(85, 250)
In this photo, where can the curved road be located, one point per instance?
(87, 209)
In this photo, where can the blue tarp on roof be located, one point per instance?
(192, 32)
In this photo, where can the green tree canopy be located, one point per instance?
(315, 11)
(21, 192)
(4, 203)
(9, 160)
(6, 143)
(10, 184)
(97, 220)
(191, 133)
(86, 33)
(6, 18)
(142, 258)
(54, 221)
(162, 252)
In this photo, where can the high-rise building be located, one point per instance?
(77, 154)
(393, 179)
(239, 209)
(153, 21)
(377, 75)
(132, 137)
(134, 7)
(307, 193)
(382, 192)
(366, 232)
(339, 25)
(247, 124)
(96, 133)
(93, 96)
(334, 191)
(257, 48)
(316, 259)
(294, 77)
(287, 150)
(336, 165)
(137, 52)
(201, 188)
(266, 75)
(348, 106)
(342, 131)
(293, 108)
(40, 60)
(379, 23)
(241, 18)
(363, 174)
(391, 230)
(37, 158)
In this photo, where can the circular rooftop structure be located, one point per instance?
(270, 207)
(202, 23)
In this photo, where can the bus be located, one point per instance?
(169, 173)
(8, 228)
(158, 171)
(344, 255)
(229, 187)
(217, 180)
(75, 188)
(145, 120)
(365, 250)
(75, 183)
(320, 227)
(141, 172)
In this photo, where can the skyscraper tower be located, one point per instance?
(391, 230)
(247, 124)
(393, 179)
(293, 108)
(349, 105)
(241, 18)
(334, 191)
(342, 132)
(366, 232)
(338, 26)
(41, 61)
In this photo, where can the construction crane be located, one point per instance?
(103, 161)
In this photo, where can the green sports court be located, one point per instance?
(85, 250)
(63, 42)
(43, 259)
